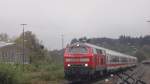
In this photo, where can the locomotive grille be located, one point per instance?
(77, 59)
(77, 65)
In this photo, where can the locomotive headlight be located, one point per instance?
(68, 65)
(86, 65)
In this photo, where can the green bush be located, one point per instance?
(43, 72)
(10, 74)
(30, 73)
(52, 72)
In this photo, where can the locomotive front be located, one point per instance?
(77, 61)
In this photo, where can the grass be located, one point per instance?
(31, 74)
(10, 74)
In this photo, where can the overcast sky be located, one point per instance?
(48, 19)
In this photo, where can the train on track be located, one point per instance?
(84, 60)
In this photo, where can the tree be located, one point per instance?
(83, 39)
(37, 51)
(74, 41)
(4, 37)
(145, 40)
(140, 55)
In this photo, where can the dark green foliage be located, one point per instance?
(37, 53)
(14, 74)
(44, 72)
(143, 53)
(145, 40)
(74, 41)
(4, 37)
(140, 56)
(10, 74)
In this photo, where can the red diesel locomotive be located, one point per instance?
(87, 60)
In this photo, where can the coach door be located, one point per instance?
(95, 57)
(100, 58)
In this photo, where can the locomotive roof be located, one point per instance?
(108, 51)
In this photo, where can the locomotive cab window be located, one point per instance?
(78, 49)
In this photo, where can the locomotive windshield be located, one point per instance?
(78, 49)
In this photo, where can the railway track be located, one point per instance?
(132, 76)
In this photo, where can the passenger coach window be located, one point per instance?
(99, 51)
(94, 51)
(103, 52)
(78, 50)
